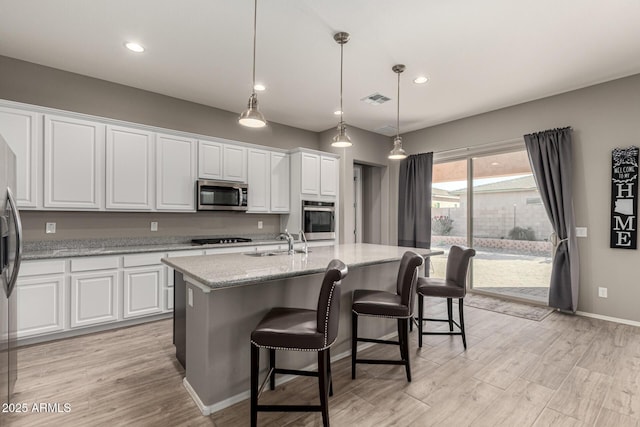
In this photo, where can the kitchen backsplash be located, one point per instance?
(105, 225)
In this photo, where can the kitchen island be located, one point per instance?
(219, 299)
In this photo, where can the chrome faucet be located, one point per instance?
(303, 238)
(289, 238)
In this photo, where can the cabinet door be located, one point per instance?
(210, 160)
(40, 305)
(130, 169)
(310, 174)
(73, 163)
(22, 131)
(143, 291)
(328, 176)
(234, 166)
(94, 298)
(280, 189)
(176, 173)
(258, 181)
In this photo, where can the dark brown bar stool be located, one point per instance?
(389, 305)
(297, 329)
(453, 286)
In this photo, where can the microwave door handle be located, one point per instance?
(239, 196)
(18, 255)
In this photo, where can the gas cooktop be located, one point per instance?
(218, 240)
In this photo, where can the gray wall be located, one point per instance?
(603, 117)
(35, 84)
(371, 203)
(371, 149)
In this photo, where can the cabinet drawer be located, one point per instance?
(143, 259)
(94, 263)
(35, 268)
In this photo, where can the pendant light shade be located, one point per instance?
(398, 152)
(341, 140)
(252, 117)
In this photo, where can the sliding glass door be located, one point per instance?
(496, 209)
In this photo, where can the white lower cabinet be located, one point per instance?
(143, 289)
(40, 305)
(94, 298)
(41, 298)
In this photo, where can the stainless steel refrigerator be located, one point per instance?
(10, 255)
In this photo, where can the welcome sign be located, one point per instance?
(624, 198)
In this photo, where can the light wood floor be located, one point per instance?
(563, 371)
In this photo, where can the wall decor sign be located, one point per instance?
(624, 198)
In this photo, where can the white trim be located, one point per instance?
(218, 406)
(206, 410)
(478, 150)
(608, 318)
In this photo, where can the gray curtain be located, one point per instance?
(550, 157)
(414, 201)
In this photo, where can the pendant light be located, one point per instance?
(252, 117)
(398, 152)
(341, 140)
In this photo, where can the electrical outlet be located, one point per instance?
(602, 292)
(190, 296)
(50, 228)
(259, 225)
(154, 226)
(581, 231)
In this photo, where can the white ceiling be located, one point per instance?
(479, 55)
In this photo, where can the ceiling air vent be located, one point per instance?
(375, 99)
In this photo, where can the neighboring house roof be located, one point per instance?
(522, 183)
(441, 195)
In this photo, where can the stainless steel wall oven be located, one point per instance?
(318, 220)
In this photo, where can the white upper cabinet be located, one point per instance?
(220, 161)
(130, 169)
(210, 160)
(280, 182)
(268, 180)
(176, 163)
(258, 181)
(318, 175)
(328, 176)
(73, 163)
(234, 165)
(23, 132)
(310, 174)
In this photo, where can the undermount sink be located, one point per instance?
(272, 253)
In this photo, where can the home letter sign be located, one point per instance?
(624, 198)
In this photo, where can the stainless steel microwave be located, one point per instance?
(221, 196)
(318, 220)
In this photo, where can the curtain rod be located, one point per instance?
(478, 149)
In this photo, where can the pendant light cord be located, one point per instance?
(341, 60)
(398, 110)
(255, 25)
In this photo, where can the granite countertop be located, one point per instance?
(228, 270)
(82, 248)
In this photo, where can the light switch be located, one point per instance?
(50, 228)
(581, 231)
(259, 225)
(154, 226)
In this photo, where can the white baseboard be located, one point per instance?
(210, 409)
(608, 318)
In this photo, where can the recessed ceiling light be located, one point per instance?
(259, 87)
(420, 80)
(134, 47)
(337, 112)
